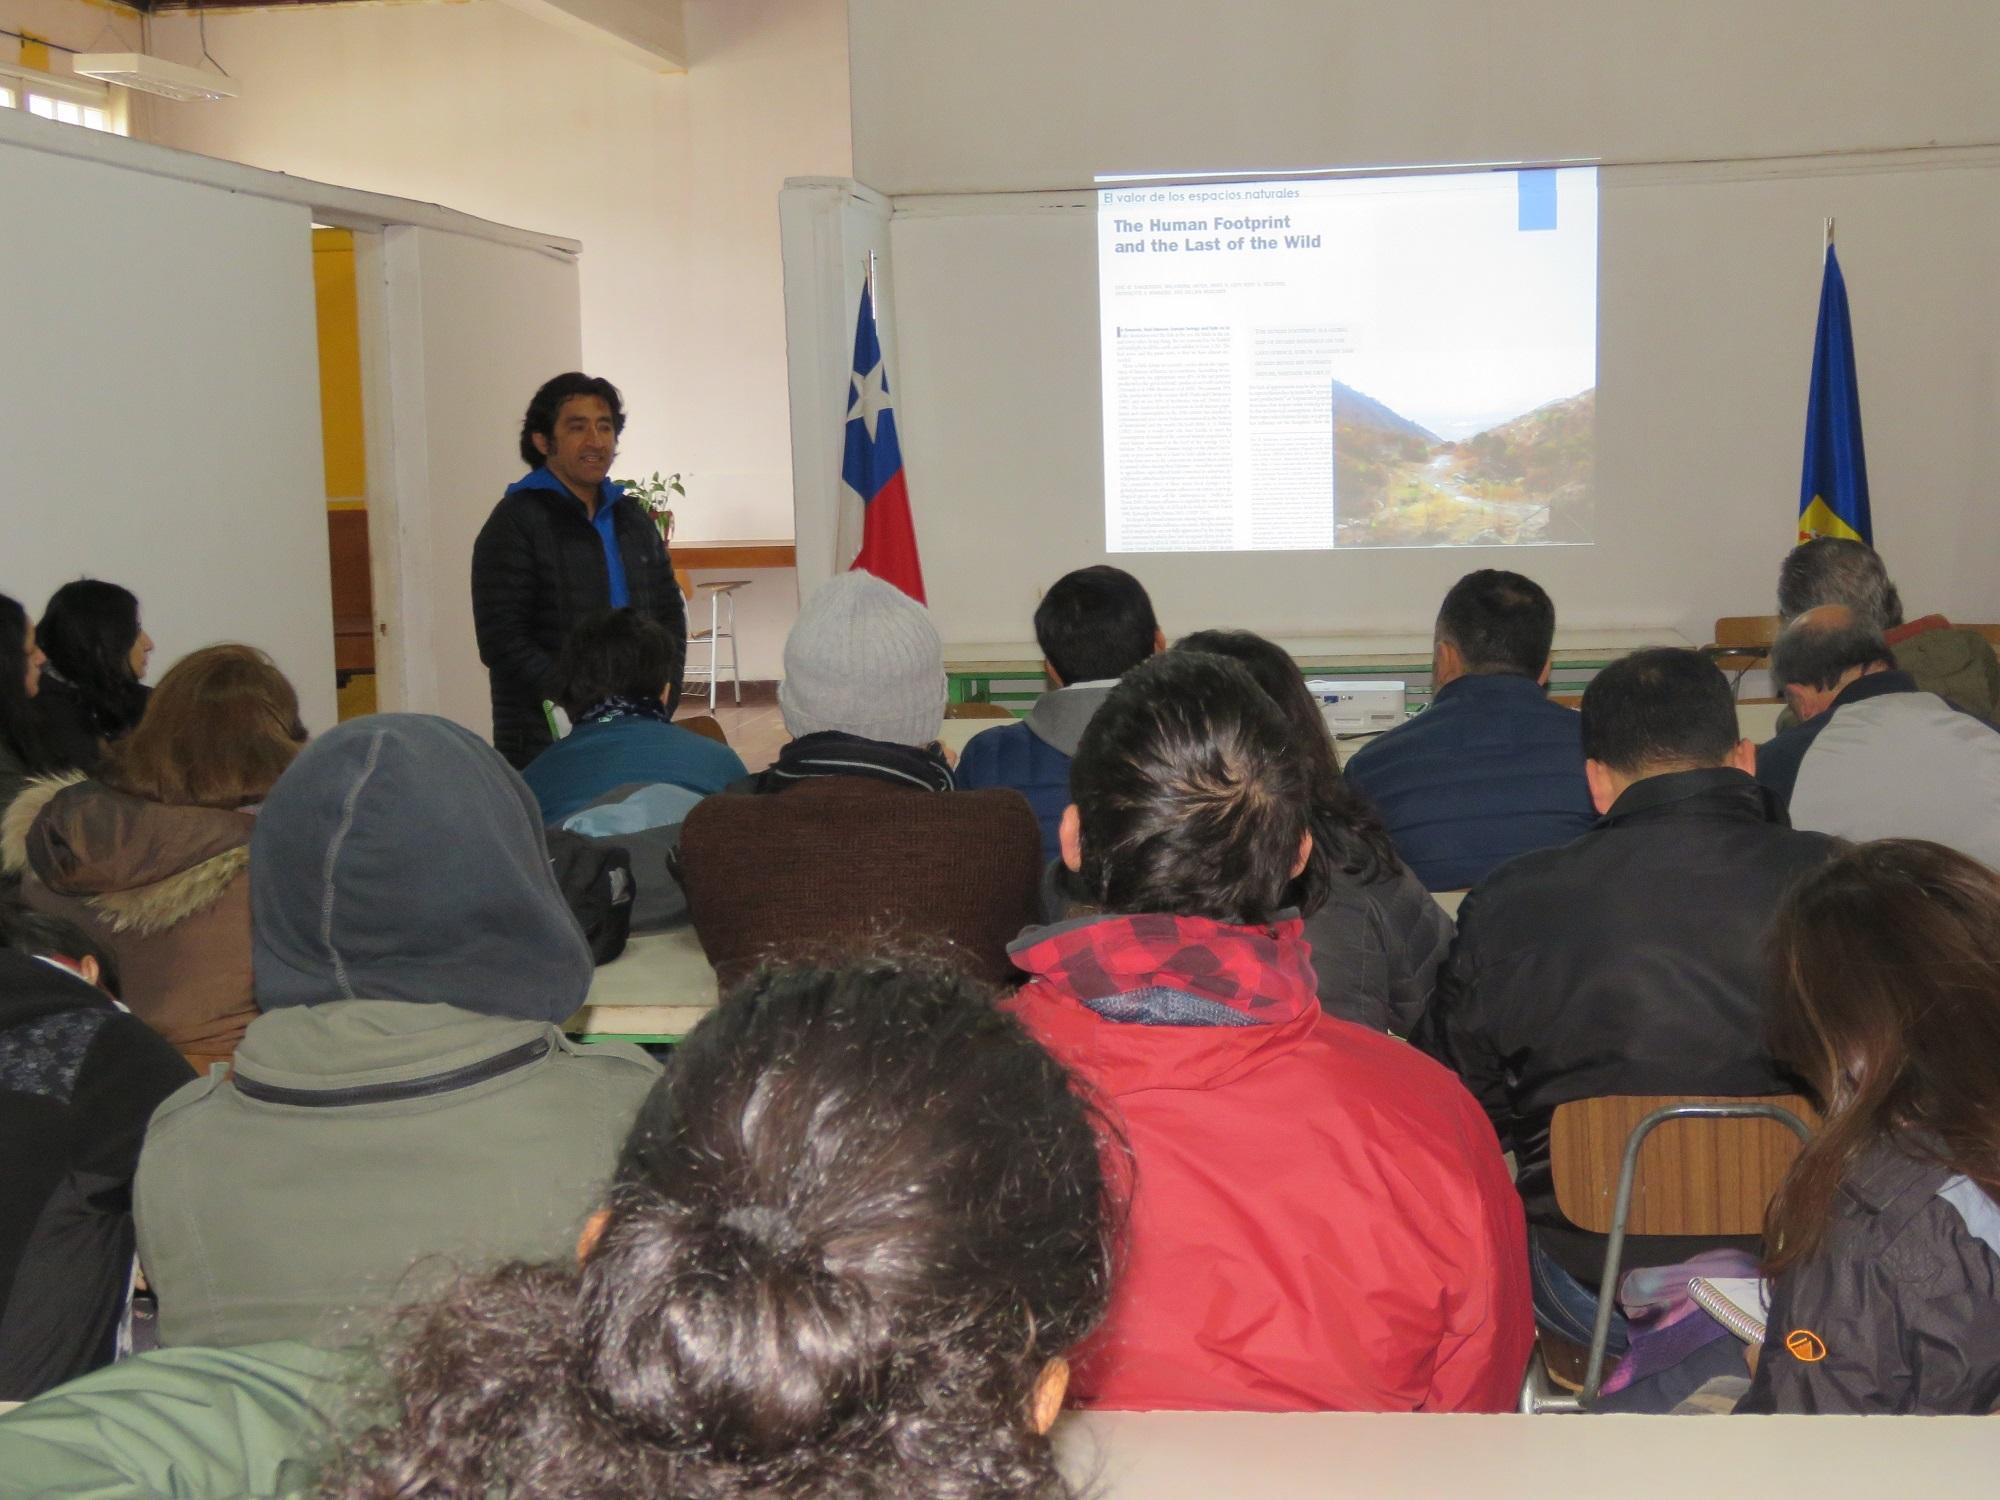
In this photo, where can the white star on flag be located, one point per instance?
(869, 397)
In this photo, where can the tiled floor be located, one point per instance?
(756, 729)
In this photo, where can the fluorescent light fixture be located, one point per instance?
(153, 75)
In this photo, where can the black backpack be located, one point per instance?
(596, 881)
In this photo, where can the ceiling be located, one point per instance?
(649, 32)
(163, 6)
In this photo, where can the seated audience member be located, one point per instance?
(1629, 961)
(617, 667)
(1320, 1218)
(856, 833)
(1952, 661)
(78, 1078)
(408, 1095)
(1092, 625)
(1884, 1240)
(1873, 756)
(851, 1241)
(1491, 769)
(92, 689)
(1377, 937)
(149, 855)
(23, 750)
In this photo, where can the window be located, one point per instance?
(66, 101)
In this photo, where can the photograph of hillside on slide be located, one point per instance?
(1397, 484)
(1388, 360)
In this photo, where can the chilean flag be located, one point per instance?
(872, 466)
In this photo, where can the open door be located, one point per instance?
(345, 444)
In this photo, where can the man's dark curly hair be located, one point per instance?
(853, 1223)
(547, 406)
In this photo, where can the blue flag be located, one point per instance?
(1833, 490)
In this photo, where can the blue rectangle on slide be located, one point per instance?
(1537, 199)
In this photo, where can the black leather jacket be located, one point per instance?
(1899, 1308)
(1629, 961)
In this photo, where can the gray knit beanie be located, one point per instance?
(864, 659)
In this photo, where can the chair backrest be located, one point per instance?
(1746, 630)
(976, 710)
(1991, 632)
(705, 725)
(1695, 1176)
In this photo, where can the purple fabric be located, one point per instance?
(1663, 1322)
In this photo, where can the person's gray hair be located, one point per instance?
(1834, 570)
(1817, 651)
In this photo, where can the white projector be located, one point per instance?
(1364, 706)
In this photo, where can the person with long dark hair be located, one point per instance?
(856, 1230)
(1377, 936)
(850, 1243)
(93, 688)
(1883, 1244)
(24, 752)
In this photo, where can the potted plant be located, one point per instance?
(657, 494)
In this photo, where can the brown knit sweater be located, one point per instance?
(839, 865)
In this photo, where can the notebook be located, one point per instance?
(1738, 1303)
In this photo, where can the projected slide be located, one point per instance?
(1405, 361)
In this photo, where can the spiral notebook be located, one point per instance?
(1738, 1303)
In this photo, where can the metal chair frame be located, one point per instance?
(718, 595)
(1534, 1400)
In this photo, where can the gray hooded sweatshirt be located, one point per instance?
(407, 1104)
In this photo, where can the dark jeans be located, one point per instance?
(1564, 1305)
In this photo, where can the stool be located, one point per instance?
(721, 627)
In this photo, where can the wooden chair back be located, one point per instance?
(1991, 632)
(1695, 1176)
(705, 725)
(976, 710)
(1746, 630)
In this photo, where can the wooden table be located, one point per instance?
(655, 991)
(709, 556)
(1222, 1455)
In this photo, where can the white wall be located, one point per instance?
(1709, 281)
(671, 182)
(1709, 287)
(456, 373)
(161, 389)
(951, 96)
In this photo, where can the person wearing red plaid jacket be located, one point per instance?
(1320, 1217)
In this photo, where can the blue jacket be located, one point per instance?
(597, 758)
(1490, 770)
(1033, 755)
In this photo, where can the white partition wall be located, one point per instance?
(161, 390)
(159, 371)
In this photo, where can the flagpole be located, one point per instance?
(1829, 240)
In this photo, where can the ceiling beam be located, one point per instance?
(648, 32)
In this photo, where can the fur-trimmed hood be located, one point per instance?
(142, 866)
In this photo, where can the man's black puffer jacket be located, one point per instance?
(1629, 961)
(537, 568)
